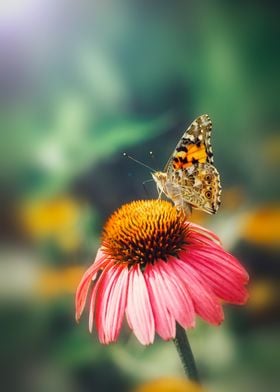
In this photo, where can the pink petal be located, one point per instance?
(95, 292)
(199, 233)
(104, 288)
(82, 290)
(139, 311)
(205, 302)
(221, 260)
(116, 305)
(224, 277)
(174, 293)
(164, 322)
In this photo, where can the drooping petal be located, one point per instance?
(164, 321)
(139, 311)
(89, 275)
(102, 297)
(94, 303)
(205, 301)
(223, 275)
(174, 293)
(116, 305)
(222, 260)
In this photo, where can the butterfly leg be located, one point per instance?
(160, 192)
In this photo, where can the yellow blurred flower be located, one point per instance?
(271, 150)
(54, 282)
(55, 219)
(263, 294)
(263, 226)
(232, 198)
(169, 384)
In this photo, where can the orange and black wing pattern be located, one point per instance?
(194, 146)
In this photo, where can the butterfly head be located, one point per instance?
(160, 179)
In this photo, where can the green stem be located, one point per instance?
(184, 350)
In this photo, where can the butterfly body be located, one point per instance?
(189, 178)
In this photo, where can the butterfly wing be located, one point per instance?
(194, 146)
(190, 168)
(202, 188)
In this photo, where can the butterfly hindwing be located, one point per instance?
(202, 188)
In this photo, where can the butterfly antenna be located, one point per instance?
(145, 182)
(139, 162)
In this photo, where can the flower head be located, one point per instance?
(157, 269)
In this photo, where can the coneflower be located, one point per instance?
(158, 270)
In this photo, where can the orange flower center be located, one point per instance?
(144, 231)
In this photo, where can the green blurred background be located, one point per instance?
(84, 81)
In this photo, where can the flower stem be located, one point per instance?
(184, 350)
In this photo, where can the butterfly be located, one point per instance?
(189, 178)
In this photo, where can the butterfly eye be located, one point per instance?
(208, 194)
